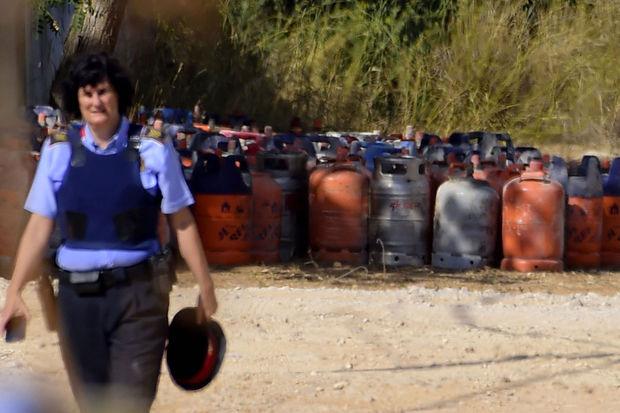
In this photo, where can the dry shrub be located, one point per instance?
(543, 70)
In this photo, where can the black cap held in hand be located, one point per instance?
(195, 350)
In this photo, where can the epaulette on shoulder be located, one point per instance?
(58, 136)
(152, 133)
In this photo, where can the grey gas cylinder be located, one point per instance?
(558, 171)
(524, 154)
(587, 182)
(399, 212)
(465, 224)
(289, 171)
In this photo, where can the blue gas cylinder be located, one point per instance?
(375, 149)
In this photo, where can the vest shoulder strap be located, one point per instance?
(58, 136)
(78, 157)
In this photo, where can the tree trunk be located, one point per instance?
(98, 33)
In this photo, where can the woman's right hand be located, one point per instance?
(32, 248)
(14, 305)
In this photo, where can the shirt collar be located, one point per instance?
(117, 143)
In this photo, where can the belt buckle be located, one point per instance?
(83, 277)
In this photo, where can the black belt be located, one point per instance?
(106, 278)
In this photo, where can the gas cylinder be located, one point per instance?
(399, 211)
(375, 149)
(524, 154)
(325, 146)
(491, 144)
(465, 225)
(338, 197)
(266, 218)
(496, 174)
(610, 251)
(584, 218)
(440, 171)
(317, 175)
(558, 171)
(533, 222)
(223, 208)
(289, 171)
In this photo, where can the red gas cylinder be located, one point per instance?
(495, 175)
(605, 165)
(584, 218)
(338, 196)
(224, 226)
(266, 218)
(203, 127)
(584, 232)
(610, 253)
(314, 180)
(533, 222)
(223, 209)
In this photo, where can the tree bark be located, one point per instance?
(98, 33)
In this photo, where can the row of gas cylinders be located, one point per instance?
(408, 212)
(256, 216)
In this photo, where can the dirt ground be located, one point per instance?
(305, 339)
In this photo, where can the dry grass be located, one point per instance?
(546, 77)
(546, 73)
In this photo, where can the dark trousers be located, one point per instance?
(112, 344)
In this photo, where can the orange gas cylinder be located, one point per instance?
(610, 252)
(203, 127)
(17, 169)
(223, 209)
(266, 218)
(314, 180)
(605, 165)
(584, 218)
(339, 214)
(289, 172)
(584, 232)
(533, 222)
(224, 226)
(495, 175)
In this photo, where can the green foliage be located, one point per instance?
(336, 58)
(543, 70)
(540, 69)
(44, 18)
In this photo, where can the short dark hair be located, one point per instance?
(90, 70)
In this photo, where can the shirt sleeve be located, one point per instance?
(163, 160)
(48, 178)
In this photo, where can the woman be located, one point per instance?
(105, 188)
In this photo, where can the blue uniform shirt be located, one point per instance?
(161, 170)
